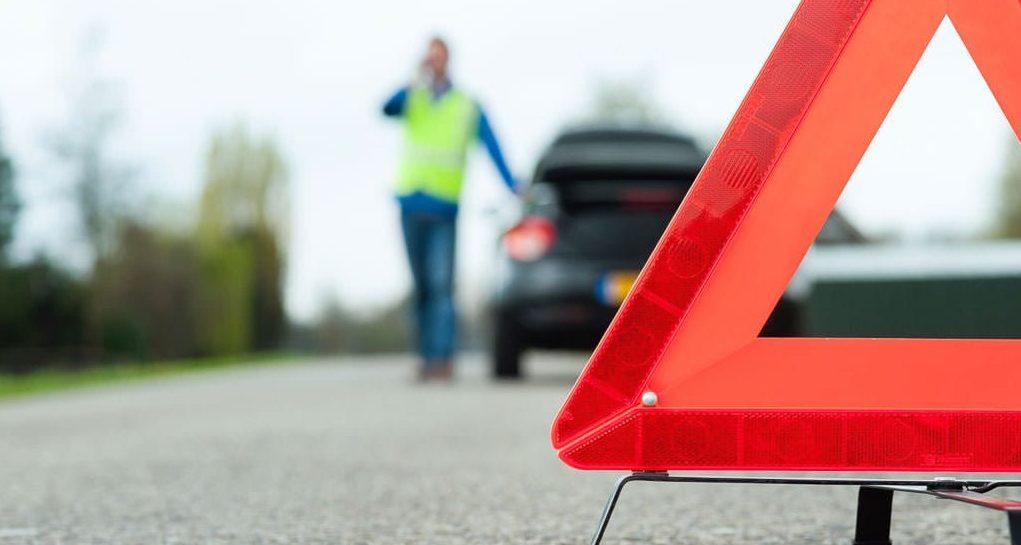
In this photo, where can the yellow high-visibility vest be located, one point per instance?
(436, 139)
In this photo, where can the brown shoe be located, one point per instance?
(435, 370)
(443, 371)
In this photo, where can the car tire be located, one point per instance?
(507, 351)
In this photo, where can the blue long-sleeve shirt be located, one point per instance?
(420, 202)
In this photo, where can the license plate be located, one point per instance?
(613, 287)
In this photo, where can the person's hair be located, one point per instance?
(440, 41)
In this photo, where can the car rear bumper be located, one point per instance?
(556, 303)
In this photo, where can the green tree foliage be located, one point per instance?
(1009, 213)
(42, 318)
(214, 287)
(10, 205)
(243, 219)
(225, 321)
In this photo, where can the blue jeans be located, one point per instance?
(429, 239)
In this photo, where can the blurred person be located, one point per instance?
(441, 122)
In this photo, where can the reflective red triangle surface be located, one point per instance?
(687, 334)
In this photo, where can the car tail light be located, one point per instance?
(530, 239)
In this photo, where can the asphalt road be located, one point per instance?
(351, 452)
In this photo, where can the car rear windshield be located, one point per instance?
(655, 193)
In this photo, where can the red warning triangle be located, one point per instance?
(686, 339)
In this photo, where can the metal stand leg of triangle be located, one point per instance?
(875, 499)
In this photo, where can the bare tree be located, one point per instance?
(82, 146)
(625, 102)
(10, 205)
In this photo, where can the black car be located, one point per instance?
(599, 200)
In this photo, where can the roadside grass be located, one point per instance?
(51, 380)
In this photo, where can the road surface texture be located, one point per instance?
(351, 452)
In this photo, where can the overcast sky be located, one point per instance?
(314, 74)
